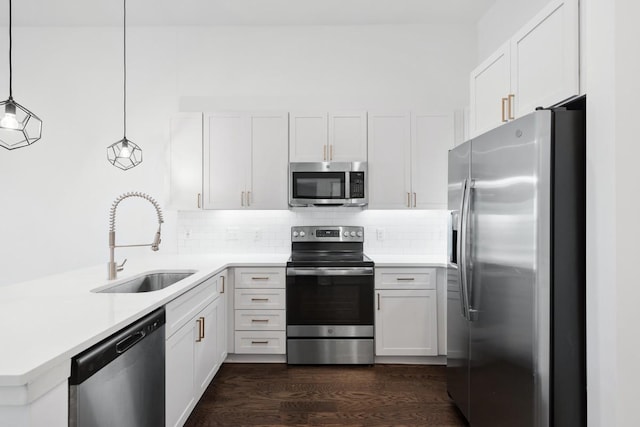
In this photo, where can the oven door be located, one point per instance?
(330, 302)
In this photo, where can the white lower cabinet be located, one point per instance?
(195, 351)
(259, 309)
(180, 375)
(406, 312)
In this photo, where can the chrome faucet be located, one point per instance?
(113, 267)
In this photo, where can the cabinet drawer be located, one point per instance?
(260, 342)
(259, 278)
(260, 320)
(259, 299)
(186, 306)
(405, 278)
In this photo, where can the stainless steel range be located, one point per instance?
(330, 297)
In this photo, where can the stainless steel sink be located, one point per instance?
(148, 282)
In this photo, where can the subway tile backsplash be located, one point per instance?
(397, 232)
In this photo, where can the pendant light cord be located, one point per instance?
(125, 69)
(10, 63)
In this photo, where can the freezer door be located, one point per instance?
(506, 202)
(457, 327)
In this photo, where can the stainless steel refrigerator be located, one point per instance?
(516, 272)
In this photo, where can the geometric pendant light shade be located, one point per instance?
(124, 154)
(19, 127)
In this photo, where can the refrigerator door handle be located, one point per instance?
(463, 264)
(460, 241)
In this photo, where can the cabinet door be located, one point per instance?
(431, 140)
(544, 58)
(185, 182)
(221, 319)
(308, 137)
(406, 323)
(227, 159)
(206, 349)
(180, 374)
(490, 89)
(348, 137)
(269, 149)
(389, 161)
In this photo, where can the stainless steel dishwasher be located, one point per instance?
(120, 381)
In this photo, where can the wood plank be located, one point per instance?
(281, 395)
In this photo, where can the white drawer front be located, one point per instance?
(187, 305)
(251, 299)
(260, 342)
(259, 278)
(260, 320)
(405, 278)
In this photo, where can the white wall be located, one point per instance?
(56, 194)
(627, 206)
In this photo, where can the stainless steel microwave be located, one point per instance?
(328, 184)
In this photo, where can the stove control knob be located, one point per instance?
(346, 234)
(302, 234)
(295, 234)
(359, 233)
(353, 234)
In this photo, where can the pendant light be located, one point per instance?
(124, 154)
(19, 127)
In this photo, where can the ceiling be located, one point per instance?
(243, 12)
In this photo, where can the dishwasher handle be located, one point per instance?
(90, 361)
(130, 341)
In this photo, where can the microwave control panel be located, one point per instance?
(356, 185)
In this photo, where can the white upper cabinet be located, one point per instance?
(245, 161)
(326, 137)
(537, 67)
(490, 88)
(389, 163)
(185, 167)
(545, 58)
(348, 137)
(432, 137)
(408, 160)
(269, 165)
(308, 137)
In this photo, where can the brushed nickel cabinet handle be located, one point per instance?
(199, 321)
(222, 291)
(259, 320)
(378, 302)
(259, 278)
(203, 320)
(408, 200)
(415, 200)
(406, 279)
(199, 201)
(242, 198)
(259, 342)
(331, 152)
(504, 118)
(259, 299)
(248, 198)
(511, 99)
(324, 152)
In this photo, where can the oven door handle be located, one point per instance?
(330, 271)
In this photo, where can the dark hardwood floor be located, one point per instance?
(281, 395)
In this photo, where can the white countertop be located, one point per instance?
(45, 322)
(384, 260)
